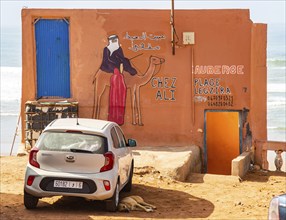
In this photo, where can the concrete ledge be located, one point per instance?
(241, 164)
(176, 162)
(212, 178)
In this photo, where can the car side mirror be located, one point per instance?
(132, 143)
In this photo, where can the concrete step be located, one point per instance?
(176, 162)
(212, 178)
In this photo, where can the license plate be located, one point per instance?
(68, 184)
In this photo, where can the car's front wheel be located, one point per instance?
(30, 201)
(112, 204)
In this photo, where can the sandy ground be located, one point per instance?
(218, 197)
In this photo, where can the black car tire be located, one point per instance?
(128, 186)
(112, 204)
(30, 201)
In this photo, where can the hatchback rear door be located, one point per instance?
(70, 162)
(73, 152)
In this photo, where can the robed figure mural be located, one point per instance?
(113, 61)
(117, 73)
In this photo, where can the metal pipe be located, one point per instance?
(192, 86)
(173, 27)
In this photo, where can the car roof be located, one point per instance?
(80, 124)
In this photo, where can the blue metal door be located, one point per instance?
(52, 57)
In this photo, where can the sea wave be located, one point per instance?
(10, 69)
(11, 83)
(283, 68)
(276, 62)
(277, 104)
(276, 128)
(3, 114)
(276, 87)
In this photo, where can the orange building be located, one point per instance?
(200, 80)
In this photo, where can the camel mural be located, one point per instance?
(133, 83)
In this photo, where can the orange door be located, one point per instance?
(222, 141)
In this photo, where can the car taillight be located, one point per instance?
(33, 157)
(106, 184)
(30, 180)
(109, 161)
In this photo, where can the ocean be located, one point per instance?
(11, 88)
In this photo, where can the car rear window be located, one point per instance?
(72, 141)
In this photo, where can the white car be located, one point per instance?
(80, 157)
(277, 208)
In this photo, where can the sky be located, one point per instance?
(261, 11)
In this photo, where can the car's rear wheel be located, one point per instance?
(128, 186)
(112, 204)
(30, 201)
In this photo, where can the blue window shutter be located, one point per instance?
(52, 58)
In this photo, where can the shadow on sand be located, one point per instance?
(251, 176)
(262, 175)
(171, 204)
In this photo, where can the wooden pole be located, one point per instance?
(15, 134)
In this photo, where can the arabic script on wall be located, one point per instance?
(145, 41)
